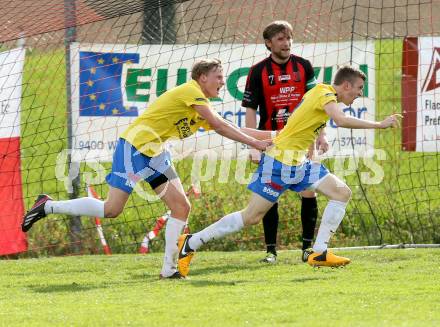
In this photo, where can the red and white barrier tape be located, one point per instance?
(92, 193)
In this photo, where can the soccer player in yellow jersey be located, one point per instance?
(274, 88)
(285, 166)
(140, 155)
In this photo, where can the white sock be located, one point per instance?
(332, 217)
(228, 224)
(172, 232)
(77, 207)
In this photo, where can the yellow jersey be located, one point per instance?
(303, 126)
(170, 116)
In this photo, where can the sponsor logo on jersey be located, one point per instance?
(283, 114)
(284, 78)
(271, 192)
(287, 89)
(201, 99)
(183, 128)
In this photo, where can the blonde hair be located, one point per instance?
(348, 73)
(204, 66)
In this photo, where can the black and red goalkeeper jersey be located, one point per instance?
(275, 90)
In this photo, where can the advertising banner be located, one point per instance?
(113, 84)
(421, 94)
(12, 239)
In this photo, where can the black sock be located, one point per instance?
(271, 249)
(270, 225)
(309, 215)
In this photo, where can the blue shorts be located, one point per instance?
(130, 166)
(273, 177)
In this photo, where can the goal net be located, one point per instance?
(75, 74)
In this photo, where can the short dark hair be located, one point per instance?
(276, 27)
(348, 73)
(204, 66)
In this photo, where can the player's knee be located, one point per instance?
(186, 208)
(252, 218)
(112, 212)
(344, 194)
(257, 218)
(181, 208)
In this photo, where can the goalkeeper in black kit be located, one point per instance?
(275, 87)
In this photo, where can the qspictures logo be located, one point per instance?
(432, 79)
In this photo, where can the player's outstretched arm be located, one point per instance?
(341, 120)
(229, 130)
(250, 128)
(259, 134)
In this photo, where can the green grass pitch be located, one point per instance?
(379, 288)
